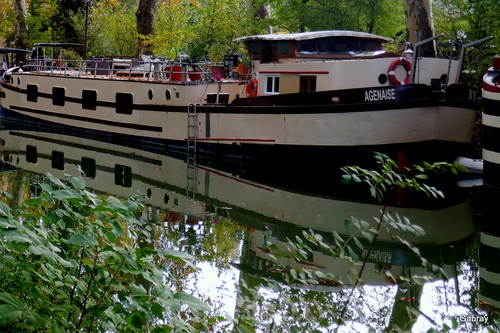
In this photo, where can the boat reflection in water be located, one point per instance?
(188, 199)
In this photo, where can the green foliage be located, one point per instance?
(70, 262)
(383, 181)
(467, 21)
(380, 17)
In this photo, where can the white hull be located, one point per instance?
(157, 119)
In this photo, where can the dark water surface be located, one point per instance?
(227, 214)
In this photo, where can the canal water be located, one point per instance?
(248, 231)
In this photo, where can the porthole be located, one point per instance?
(382, 79)
(335, 99)
(168, 94)
(166, 199)
(150, 94)
(18, 81)
(149, 193)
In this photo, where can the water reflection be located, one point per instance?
(229, 219)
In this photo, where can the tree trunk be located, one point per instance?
(405, 297)
(145, 24)
(21, 29)
(419, 25)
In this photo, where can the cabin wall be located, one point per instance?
(350, 74)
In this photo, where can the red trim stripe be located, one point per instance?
(233, 139)
(295, 72)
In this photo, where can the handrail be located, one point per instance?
(415, 54)
(462, 55)
(155, 70)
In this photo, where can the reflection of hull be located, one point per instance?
(122, 171)
(172, 184)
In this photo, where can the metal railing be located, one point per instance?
(155, 70)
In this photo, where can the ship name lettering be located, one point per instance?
(380, 95)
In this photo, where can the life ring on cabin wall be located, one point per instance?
(252, 88)
(392, 74)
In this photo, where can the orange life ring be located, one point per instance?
(252, 88)
(392, 74)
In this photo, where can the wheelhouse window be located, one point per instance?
(32, 93)
(272, 84)
(339, 46)
(307, 47)
(254, 50)
(124, 103)
(307, 83)
(283, 48)
(89, 99)
(58, 96)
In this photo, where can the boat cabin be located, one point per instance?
(335, 44)
(9, 56)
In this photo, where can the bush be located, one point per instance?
(71, 262)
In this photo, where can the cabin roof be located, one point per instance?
(314, 35)
(58, 44)
(12, 50)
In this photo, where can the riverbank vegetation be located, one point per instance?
(75, 261)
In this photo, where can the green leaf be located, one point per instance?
(15, 236)
(178, 255)
(116, 204)
(11, 300)
(5, 209)
(346, 179)
(83, 240)
(353, 255)
(78, 183)
(157, 310)
(65, 194)
(9, 314)
(192, 301)
(347, 226)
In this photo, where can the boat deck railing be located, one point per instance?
(133, 69)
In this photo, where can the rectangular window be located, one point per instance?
(123, 175)
(31, 154)
(32, 93)
(307, 83)
(89, 167)
(124, 103)
(254, 49)
(58, 96)
(58, 160)
(307, 47)
(272, 84)
(283, 48)
(89, 99)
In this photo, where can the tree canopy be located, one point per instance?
(207, 28)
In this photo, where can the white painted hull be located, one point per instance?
(158, 119)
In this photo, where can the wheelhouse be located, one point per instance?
(335, 44)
